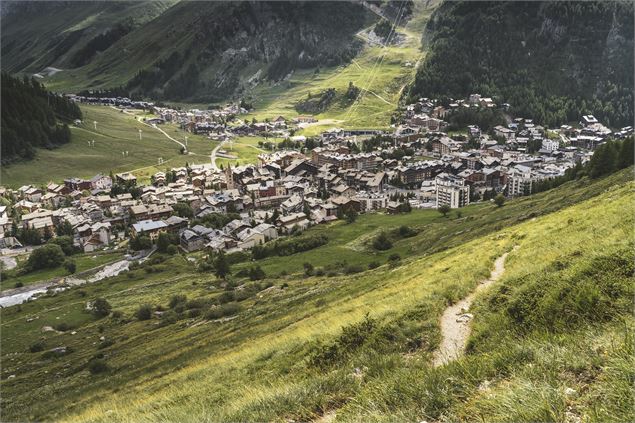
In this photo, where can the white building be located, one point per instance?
(452, 191)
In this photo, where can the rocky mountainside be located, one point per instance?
(550, 60)
(198, 51)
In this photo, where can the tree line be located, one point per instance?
(33, 117)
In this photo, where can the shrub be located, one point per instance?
(144, 312)
(499, 200)
(62, 327)
(444, 209)
(101, 307)
(169, 317)
(256, 273)
(177, 299)
(18, 284)
(353, 268)
(117, 314)
(352, 338)
(46, 257)
(373, 265)
(288, 246)
(225, 297)
(105, 344)
(394, 257)
(221, 311)
(382, 242)
(172, 249)
(97, 365)
(319, 272)
(308, 269)
(37, 347)
(65, 242)
(406, 232)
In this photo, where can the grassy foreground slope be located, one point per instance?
(559, 318)
(116, 132)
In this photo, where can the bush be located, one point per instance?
(105, 344)
(394, 257)
(37, 347)
(45, 257)
(65, 242)
(18, 284)
(172, 249)
(382, 242)
(499, 200)
(256, 273)
(222, 311)
(308, 269)
(101, 307)
(288, 246)
(226, 297)
(97, 365)
(144, 312)
(353, 268)
(373, 265)
(177, 299)
(62, 327)
(406, 232)
(319, 272)
(70, 266)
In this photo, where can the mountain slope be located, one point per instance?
(39, 34)
(284, 355)
(552, 61)
(204, 51)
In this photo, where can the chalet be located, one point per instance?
(101, 182)
(149, 228)
(175, 224)
(126, 178)
(76, 184)
(248, 238)
(191, 241)
(299, 220)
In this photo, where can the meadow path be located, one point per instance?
(455, 321)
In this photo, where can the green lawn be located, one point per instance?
(116, 132)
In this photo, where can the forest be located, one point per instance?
(33, 118)
(551, 61)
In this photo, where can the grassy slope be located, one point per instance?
(237, 371)
(116, 132)
(82, 261)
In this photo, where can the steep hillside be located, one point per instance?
(197, 51)
(551, 342)
(552, 61)
(41, 34)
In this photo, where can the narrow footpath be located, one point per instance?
(455, 321)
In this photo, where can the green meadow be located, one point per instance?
(116, 132)
(552, 338)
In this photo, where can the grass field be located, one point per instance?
(116, 132)
(235, 370)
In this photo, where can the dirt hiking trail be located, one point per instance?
(455, 321)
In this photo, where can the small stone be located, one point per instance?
(102, 338)
(570, 392)
(74, 332)
(11, 377)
